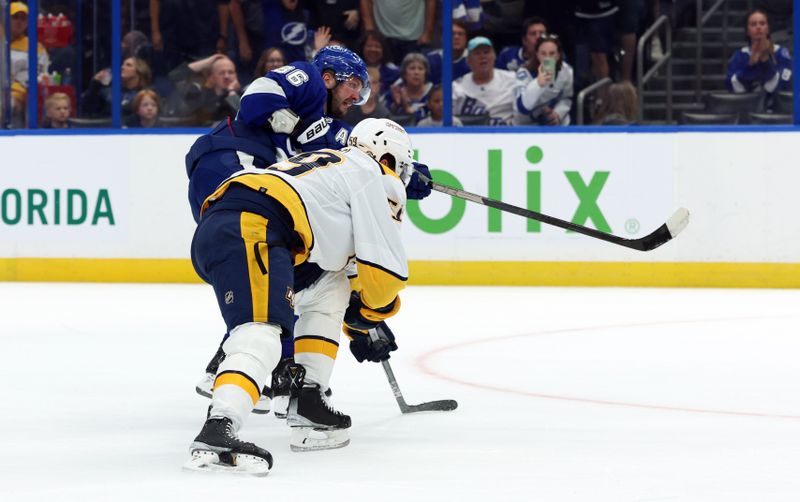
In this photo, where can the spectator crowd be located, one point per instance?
(513, 62)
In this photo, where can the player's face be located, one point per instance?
(757, 27)
(344, 95)
(148, 108)
(534, 33)
(373, 51)
(459, 38)
(414, 74)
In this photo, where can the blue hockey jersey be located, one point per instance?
(771, 75)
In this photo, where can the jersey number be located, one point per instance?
(308, 161)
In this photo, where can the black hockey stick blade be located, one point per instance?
(440, 405)
(666, 232)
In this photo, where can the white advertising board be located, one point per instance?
(124, 196)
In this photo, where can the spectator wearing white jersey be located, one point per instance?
(544, 93)
(485, 89)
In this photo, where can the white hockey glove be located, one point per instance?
(283, 121)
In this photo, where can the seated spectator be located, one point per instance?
(407, 24)
(374, 107)
(270, 59)
(207, 90)
(485, 89)
(436, 107)
(145, 110)
(460, 67)
(410, 93)
(761, 64)
(376, 54)
(57, 110)
(515, 57)
(620, 106)
(135, 76)
(18, 50)
(544, 94)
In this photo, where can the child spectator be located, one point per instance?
(620, 106)
(135, 76)
(761, 64)
(515, 57)
(544, 94)
(145, 110)
(409, 95)
(57, 110)
(436, 107)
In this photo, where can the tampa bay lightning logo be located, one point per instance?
(294, 33)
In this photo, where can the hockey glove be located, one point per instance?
(362, 318)
(365, 348)
(283, 121)
(418, 189)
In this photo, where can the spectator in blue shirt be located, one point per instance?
(514, 57)
(761, 64)
(460, 66)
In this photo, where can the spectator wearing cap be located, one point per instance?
(18, 49)
(485, 89)
(515, 57)
(460, 67)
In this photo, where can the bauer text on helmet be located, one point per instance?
(345, 65)
(385, 140)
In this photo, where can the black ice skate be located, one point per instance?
(315, 424)
(217, 448)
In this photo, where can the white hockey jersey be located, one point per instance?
(344, 206)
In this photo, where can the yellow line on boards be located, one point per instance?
(467, 273)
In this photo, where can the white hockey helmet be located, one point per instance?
(381, 137)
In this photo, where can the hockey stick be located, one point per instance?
(441, 405)
(668, 231)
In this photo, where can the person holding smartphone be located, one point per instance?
(544, 94)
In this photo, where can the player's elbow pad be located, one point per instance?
(283, 121)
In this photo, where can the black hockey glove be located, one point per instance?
(365, 348)
(418, 189)
(359, 317)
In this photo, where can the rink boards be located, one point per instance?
(113, 208)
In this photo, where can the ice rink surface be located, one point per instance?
(564, 395)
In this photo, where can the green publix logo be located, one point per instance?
(55, 207)
(587, 193)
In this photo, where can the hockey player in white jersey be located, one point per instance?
(325, 207)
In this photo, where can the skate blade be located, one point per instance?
(208, 461)
(280, 404)
(310, 439)
(263, 406)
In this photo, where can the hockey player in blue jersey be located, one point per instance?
(289, 108)
(761, 64)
